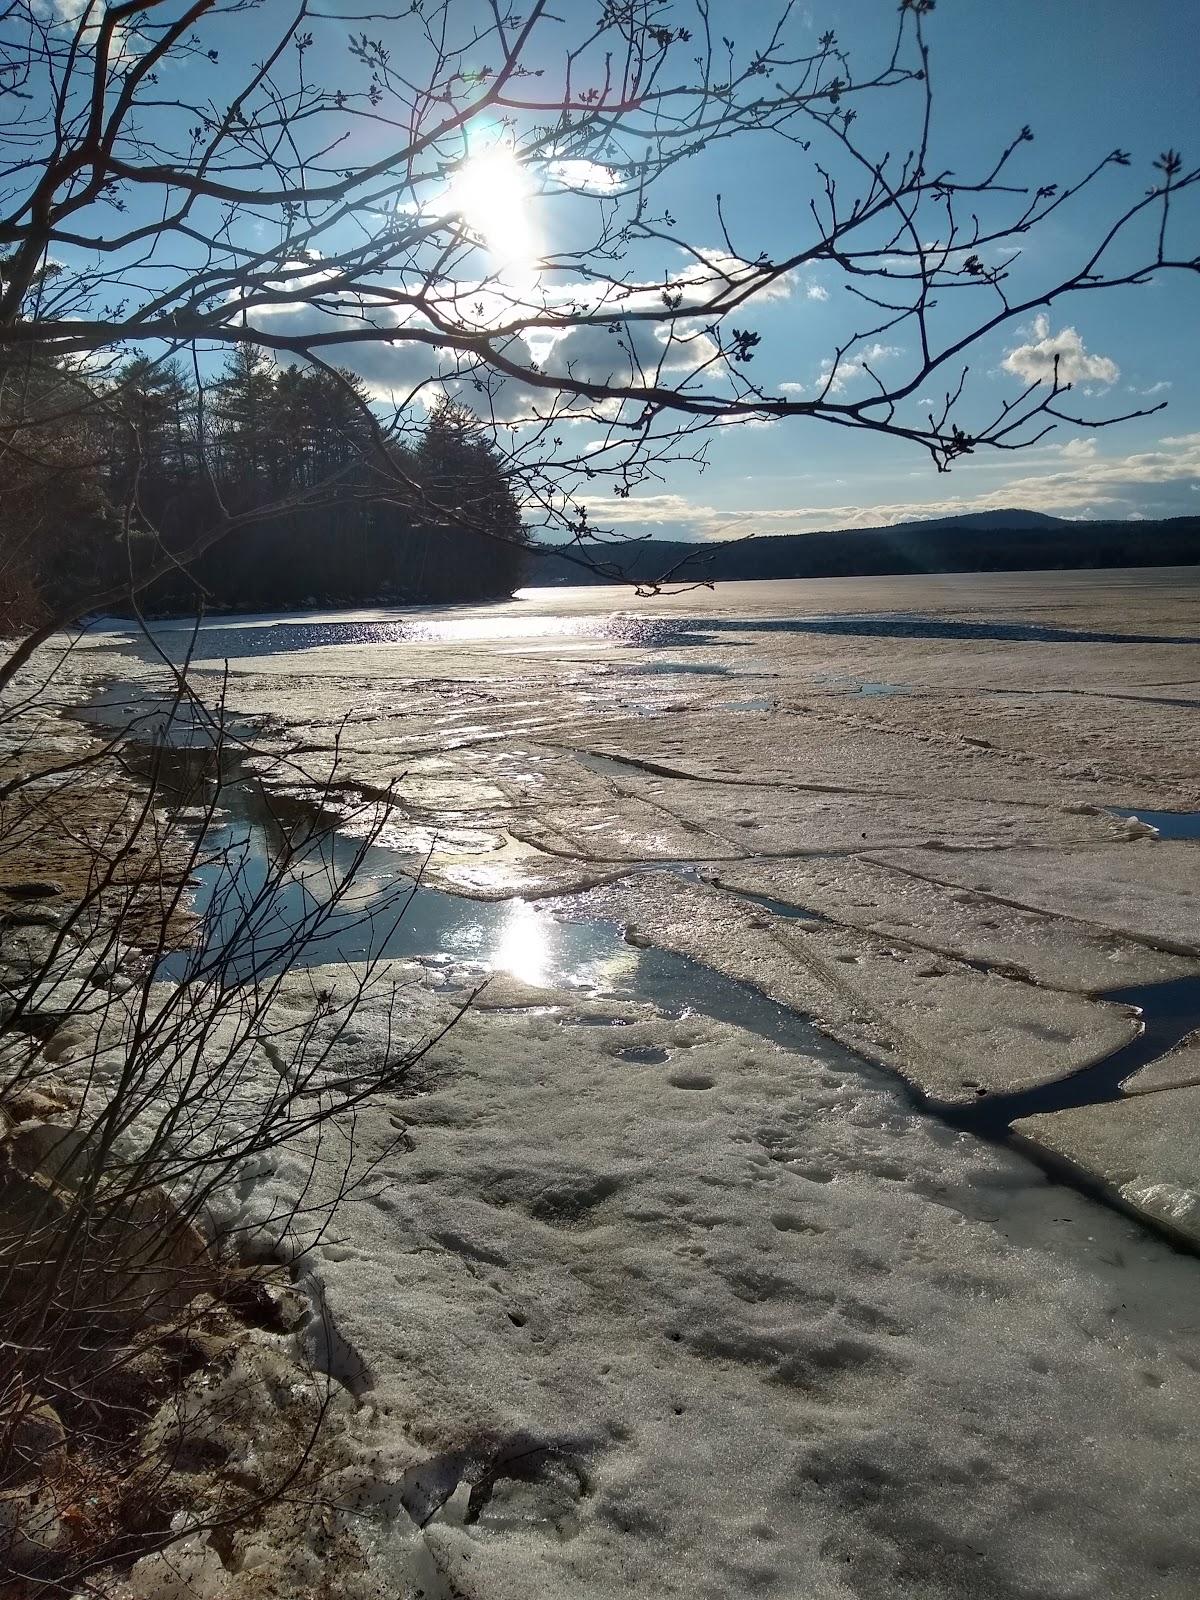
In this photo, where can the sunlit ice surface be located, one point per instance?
(231, 637)
(257, 920)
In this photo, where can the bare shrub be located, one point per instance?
(138, 1110)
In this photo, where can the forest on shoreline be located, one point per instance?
(109, 481)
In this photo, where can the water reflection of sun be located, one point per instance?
(523, 948)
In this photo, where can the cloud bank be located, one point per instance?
(1159, 482)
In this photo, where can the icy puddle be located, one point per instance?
(693, 669)
(355, 902)
(1167, 824)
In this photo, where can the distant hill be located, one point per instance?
(981, 541)
(984, 521)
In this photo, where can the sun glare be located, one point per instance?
(491, 193)
(523, 950)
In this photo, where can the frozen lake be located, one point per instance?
(754, 872)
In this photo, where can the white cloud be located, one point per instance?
(68, 11)
(719, 272)
(1079, 450)
(1160, 387)
(589, 176)
(655, 510)
(816, 291)
(669, 344)
(629, 352)
(1034, 362)
(396, 363)
(855, 365)
(68, 14)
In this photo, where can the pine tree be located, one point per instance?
(152, 439)
(241, 410)
(476, 538)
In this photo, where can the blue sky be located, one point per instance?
(1087, 76)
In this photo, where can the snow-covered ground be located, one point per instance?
(648, 1305)
(749, 1322)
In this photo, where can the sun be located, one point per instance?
(491, 193)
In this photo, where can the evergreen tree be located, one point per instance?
(51, 447)
(467, 507)
(136, 468)
(241, 411)
(152, 433)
